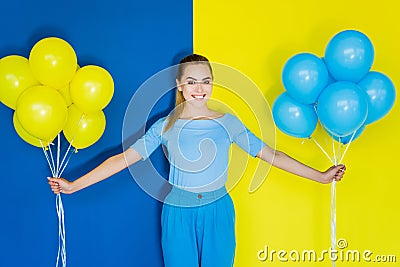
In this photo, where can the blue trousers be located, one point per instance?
(198, 230)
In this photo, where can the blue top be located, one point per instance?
(198, 150)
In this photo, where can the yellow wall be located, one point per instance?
(290, 213)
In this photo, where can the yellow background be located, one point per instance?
(287, 212)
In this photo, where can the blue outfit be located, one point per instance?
(198, 215)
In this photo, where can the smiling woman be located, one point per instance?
(198, 216)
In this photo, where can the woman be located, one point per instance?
(198, 215)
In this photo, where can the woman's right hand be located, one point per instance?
(60, 185)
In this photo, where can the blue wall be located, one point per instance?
(113, 223)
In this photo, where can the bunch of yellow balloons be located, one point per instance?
(50, 93)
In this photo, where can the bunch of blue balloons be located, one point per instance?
(339, 90)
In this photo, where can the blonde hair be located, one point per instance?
(179, 99)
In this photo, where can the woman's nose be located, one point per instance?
(199, 87)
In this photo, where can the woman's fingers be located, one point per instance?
(340, 172)
(334, 173)
(54, 185)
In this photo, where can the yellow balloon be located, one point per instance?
(15, 77)
(42, 112)
(65, 92)
(66, 95)
(26, 136)
(83, 130)
(91, 88)
(53, 62)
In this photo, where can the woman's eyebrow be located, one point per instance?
(191, 78)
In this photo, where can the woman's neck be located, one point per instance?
(197, 112)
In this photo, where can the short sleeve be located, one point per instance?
(243, 137)
(150, 140)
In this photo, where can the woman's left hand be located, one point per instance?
(333, 173)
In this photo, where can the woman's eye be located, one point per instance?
(206, 82)
(190, 82)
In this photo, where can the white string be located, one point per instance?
(333, 198)
(333, 220)
(339, 148)
(348, 145)
(60, 212)
(47, 158)
(323, 150)
(68, 150)
(65, 155)
(61, 232)
(52, 160)
(59, 229)
(333, 204)
(333, 207)
(59, 206)
(333, 195)
(58, 155)
(335, 161)
(334, 152)
(66, 163)
(62, 252)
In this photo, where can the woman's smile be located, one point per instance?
(199, 97)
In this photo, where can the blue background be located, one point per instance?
(113, 223)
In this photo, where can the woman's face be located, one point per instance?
(196, 83)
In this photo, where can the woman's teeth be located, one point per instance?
(198, 96)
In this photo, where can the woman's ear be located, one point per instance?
(178, 85)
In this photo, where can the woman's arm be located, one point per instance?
(106, 169)
(285, 162)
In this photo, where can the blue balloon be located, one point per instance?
(342, 108)
(304, 76)
(293, 118)
(330, 78)
(381, 95)
(346, 139)
(349, 56)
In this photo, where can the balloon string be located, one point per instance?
(333, 206)
(322, 149)
(336, 155)
(70, 144)
(47, 158)
(59, 229)
(347, 147)
(79, 122)
(333, 220)
(59, 208)
(65, 155)
(58, 155)
(61, 254)
(61, 233)
(52, 161)
(333, 192)
(340, 149)
(66, 163)
(63, 250)
(333, 198)
(60, 213)
(334, 152)
(62, 168)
